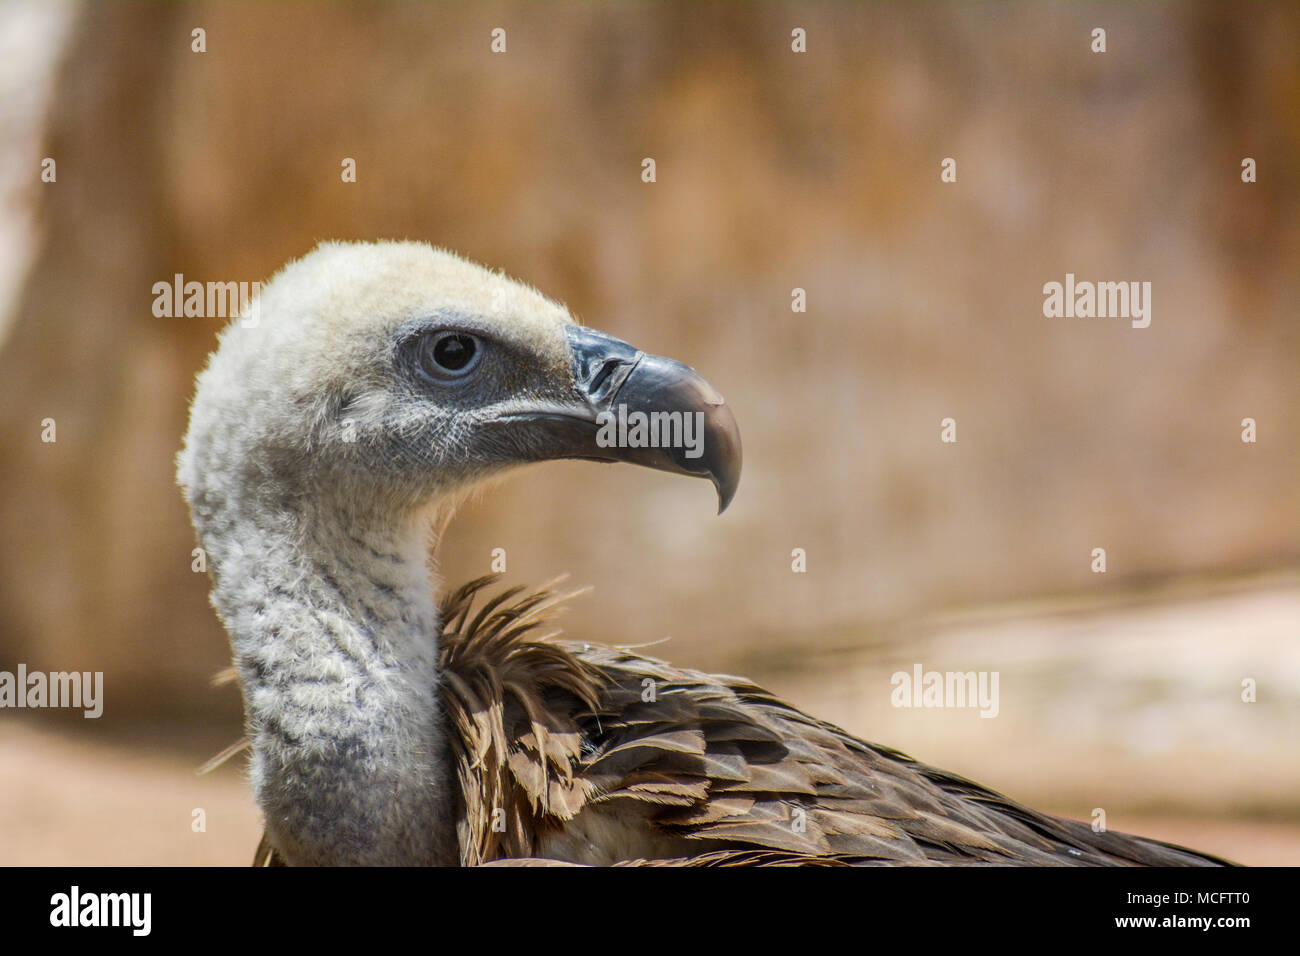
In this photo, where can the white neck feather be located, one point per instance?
(334, 634)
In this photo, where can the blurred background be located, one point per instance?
(775, 171)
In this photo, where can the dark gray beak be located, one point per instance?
(642, 409)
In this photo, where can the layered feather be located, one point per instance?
(587, 754)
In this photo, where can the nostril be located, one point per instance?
(606, 370)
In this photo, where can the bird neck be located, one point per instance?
(334, 631)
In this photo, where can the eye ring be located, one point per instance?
(448, 354)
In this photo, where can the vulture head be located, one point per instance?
(370, 387)
(375, 379)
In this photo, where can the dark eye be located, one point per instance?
(446, 355)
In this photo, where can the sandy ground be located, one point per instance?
(80, 803)
(1132, 707)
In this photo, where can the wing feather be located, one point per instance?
(562, 754)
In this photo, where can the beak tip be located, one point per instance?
(726, 492)
(725, 460)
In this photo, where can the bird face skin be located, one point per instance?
(383, 376)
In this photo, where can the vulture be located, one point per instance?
(341, 419)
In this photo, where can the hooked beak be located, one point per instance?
(642, 409)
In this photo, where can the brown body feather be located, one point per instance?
(577, 753)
